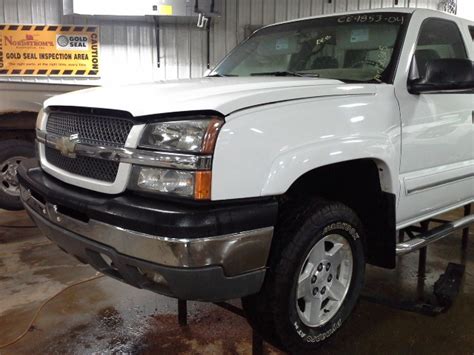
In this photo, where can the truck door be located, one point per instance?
(437, 164)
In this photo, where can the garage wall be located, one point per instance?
(128, 45)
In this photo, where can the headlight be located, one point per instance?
(193, 136)
(189, 136)
(192, 184)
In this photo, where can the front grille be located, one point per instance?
(92, 129)
(97, 169)
(102, 128)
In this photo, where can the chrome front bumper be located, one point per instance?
(237, 253)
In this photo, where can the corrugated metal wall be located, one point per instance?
(128, 47)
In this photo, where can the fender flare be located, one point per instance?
(290, 166)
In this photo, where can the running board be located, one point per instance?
(438, 233)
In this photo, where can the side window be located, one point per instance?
(471, 29)
(439, 39)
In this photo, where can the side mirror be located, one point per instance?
(443, 76)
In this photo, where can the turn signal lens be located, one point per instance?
(210, 138)
(202, 185)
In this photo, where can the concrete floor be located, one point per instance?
(105, 315)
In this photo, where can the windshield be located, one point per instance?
(351, 48)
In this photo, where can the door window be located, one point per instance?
(439, 39)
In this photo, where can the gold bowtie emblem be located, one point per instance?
(67, 145)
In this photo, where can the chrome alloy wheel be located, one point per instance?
(324, 280)
(9, 181)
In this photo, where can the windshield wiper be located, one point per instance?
(220, 75)
(353, 81)
(286, 73)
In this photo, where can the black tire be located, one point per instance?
(12, 149)
(273, 311)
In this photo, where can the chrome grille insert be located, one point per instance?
(102, 130)
(98, 169)
(92, 129)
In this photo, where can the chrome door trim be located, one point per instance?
(439, 183)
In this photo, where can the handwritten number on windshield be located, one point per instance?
(374, 18)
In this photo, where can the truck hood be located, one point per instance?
(224, 95)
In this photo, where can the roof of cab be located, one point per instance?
(405, 10)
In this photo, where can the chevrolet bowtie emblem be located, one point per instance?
(67, 145)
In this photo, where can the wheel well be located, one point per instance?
(357, 184)
(18, 125)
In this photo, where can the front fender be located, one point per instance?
(263, 150)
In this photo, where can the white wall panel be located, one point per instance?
(341, 5)
(352, 5)
(128, 48)
(305, 8)
(268, 11)
(466, 9)
(317, 7)
(281, 10)
(329, 6)
(256, 14)
(198, 55)
(219, 33)
(293, 9)
(11, 11)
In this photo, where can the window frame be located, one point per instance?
(442, 20)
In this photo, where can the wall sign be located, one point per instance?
(30, 50)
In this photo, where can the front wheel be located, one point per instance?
(315, 280)
(12, 153)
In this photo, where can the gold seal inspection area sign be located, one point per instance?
(30, 50)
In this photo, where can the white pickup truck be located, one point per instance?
(274, 179)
